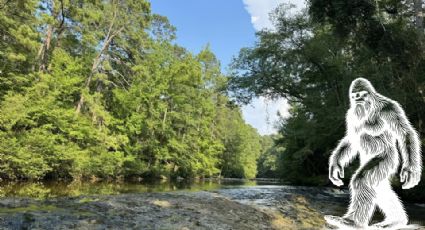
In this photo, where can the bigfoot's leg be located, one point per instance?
(364, 185)
(363, 200)
(388, 201)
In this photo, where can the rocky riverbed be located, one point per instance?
(235, 207)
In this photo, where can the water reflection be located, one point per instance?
(44, 190)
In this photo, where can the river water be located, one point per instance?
(305, 206)
(52, 189)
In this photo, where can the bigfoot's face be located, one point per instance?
(362, 97)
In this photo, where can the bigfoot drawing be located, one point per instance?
(379, 133)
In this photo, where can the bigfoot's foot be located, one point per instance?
(391, 224)
(341, 222)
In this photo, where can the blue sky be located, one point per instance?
(227, 26)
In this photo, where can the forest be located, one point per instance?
(99, 90)
(310, 59)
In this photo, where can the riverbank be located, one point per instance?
(232, 207)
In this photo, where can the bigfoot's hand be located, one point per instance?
(335, 173)
(409, 178)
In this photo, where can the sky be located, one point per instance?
(226, 26)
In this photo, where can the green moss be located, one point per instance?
(29, 208)
(87, 200)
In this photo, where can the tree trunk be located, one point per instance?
(43, 53)
(164, 119)
(419, 20)
(44, 49)
(96, 62)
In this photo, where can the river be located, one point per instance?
(228, 204)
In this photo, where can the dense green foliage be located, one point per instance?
(99, 89)
(238, 137)
(312, 57)
(267, 163)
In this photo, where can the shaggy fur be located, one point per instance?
(379, 133)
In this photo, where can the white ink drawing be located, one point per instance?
(380, 135)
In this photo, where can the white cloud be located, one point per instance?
(254, 19)
(260, 9)
(262, 113)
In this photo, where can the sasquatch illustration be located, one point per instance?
(379, 133)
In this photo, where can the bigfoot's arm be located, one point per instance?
(340, 158)
(409, 147)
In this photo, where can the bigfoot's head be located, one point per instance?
(362, 97)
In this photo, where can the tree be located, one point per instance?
(312, 57)
(19, 43)
(267, 163)
(98, 89)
